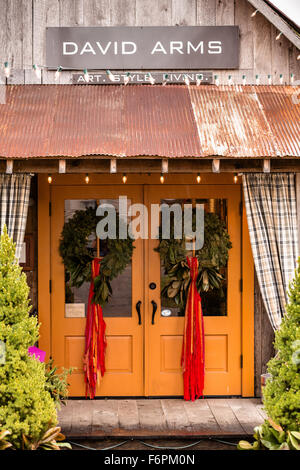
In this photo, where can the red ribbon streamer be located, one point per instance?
(192, 359)
(95, 340)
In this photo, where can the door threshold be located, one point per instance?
(156, 397)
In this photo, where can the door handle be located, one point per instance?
(138, 309)
(154, 308)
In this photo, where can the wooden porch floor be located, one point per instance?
(232, 417)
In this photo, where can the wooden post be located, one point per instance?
(193, 205)
(215, 166)
(97, 239)
(9, 167)
(164, 166)
(298, 206)
(113, 165)
(61, 166)
(267, 166)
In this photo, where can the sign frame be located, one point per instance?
(139, 78)
(143, 47)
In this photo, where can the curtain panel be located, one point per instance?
(14, 200)
(270, 201)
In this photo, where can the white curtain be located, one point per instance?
(272, 219)
(14, 200)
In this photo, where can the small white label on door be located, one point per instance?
(166, 313)
(74, 310)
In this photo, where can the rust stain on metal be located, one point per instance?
(141, 120)
(247, 121)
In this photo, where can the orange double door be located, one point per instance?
(144, 336)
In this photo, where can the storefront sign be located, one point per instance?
(143, 77)
(139, 48)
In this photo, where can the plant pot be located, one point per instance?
(263, 381)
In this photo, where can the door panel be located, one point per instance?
(124, 355)
(222, 323)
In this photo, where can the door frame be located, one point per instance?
(44, 258)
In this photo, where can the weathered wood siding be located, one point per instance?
(298, 205)
(23, 24)
(31, 229)
(263, 338)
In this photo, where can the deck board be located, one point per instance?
(160, 417)
(200, 416)
(151, 415)
(176, 415)
(224, 415)
(105, 415)
(128, 414)
(260, 407)
(246, 413)
(82, 416)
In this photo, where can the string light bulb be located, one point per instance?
(127, 78)
(49, 179)
(111, 76)
(6, 70)
(37, 71)
(86, 75)
(87, 178)
(162, 178)
(57, 73)
(278, 35)
(198, 179)
(199, 79)
(298, 57)
(151, 79)
(235, 178)
(165, 78)
(187, 80)
(254, 14)
(124, 178)
(217, 81)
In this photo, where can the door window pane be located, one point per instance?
(76, 298)
(214, 302)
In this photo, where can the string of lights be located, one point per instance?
(188, 80)
(126, 75)
(162, 178)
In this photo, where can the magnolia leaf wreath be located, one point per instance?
(212, 257)
(77, 255)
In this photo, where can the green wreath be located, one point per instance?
(77, 256)
(212, 257)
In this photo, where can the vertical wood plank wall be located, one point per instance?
(23, 24)
(263, 338)
(32, 229)
(298, 205)
(22, 42)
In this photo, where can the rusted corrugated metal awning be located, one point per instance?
(142, 120)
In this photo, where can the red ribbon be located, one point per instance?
(192, 359)
(95, 340)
